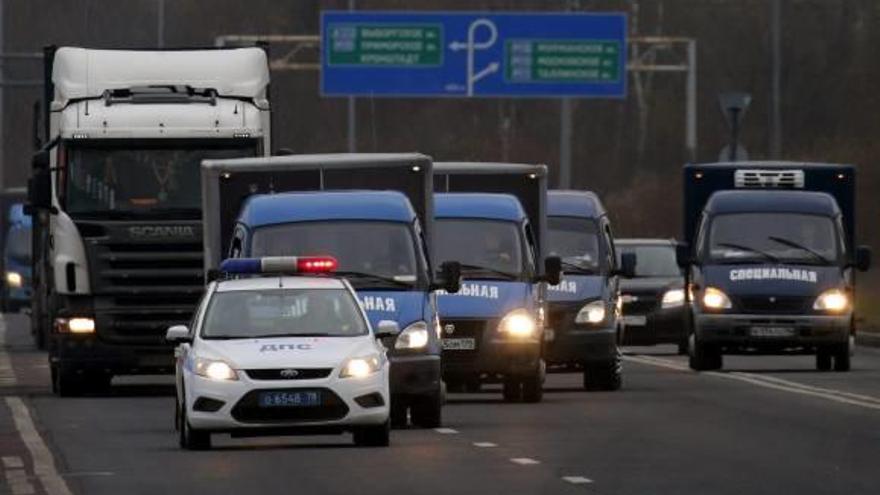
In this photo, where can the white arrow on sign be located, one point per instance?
(472, 45)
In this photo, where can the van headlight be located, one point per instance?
(592, 313)
(672, 298)
(414, 336)
(13, 279)
(519, 323)
(214, 369)
(715, 299)
(361, 367)
(833, 301)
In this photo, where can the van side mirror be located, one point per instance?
(450, 274)
(628, 263)
(683, 255)
(40, 183)
(863, 258)
(387, 328)
(177, 334)
(553, 270)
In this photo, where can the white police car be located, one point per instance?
(281, 354)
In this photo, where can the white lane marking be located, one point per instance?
(44, 463)
(7, 372)
(772, 382)
(12, 461)
(485, 445)
(18, 482)
(446, 431)
(88, 473)
(577, 480)
(524, 461)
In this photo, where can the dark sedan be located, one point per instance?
(653, 301)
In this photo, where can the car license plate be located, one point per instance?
(772, 332)
(459, 344)
(635, 320)
(309, 398)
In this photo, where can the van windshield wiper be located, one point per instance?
(741, 247)
(790, 243)
(375, 278)
(478, 268)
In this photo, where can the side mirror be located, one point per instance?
(450, 271)
(683, 255)
(553, 270)
(40, 184)
(628, 263)
(177, 334)
(863, 258)
(387, 328)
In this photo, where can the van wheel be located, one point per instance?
(189, 438)
(823, 359)
(427, 411)
(511, 390)
(842, 358)
(66, 383)
(606, 377)
(373, 436)
(704, 357)
(533, 389)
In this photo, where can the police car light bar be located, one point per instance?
(279, 264)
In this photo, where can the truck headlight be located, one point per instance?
(414, 336)
(214, 369)
(75, 325)
(13, 279)
(672, 298)
(832, 300)
(715, 299)
(593, 312)
(361, 367)
(518, 323)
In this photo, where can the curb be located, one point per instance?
(868, 339)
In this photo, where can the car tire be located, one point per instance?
(427, 411)
(823, 359)
(605, 377)
(533, 388)
(704, 357)
(842, 358)
(373, 436)
(511, 390)
(190, 438)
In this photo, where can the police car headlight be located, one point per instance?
(715, 299)
(673, 298)
(518, 323)
(592, 312)
(414, 336)
(214, 369)
(13, 279)
(833, 301)
(361, 367)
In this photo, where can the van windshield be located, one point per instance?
(576, 241)
(486, 249)
(773, 237)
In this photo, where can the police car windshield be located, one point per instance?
(576, 241)
(783, 237)
(384, 249)
(486, 249)
(652, 260)
(282, 313)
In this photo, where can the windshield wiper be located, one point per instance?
(486, 269)
(578, 268)
(749, 249)
(375, 278)
(790, 243)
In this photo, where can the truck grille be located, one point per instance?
(144, 278)
(773, 304)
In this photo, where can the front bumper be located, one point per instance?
(415, 375)
(494, 356)
(573, 343)
(72, 352)
(741, 331)
(661, 326)
(339, 408)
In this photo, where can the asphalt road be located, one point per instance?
(764, 425)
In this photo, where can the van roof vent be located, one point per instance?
(769, 179)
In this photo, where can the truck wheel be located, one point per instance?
(842, 361)
(66, 383)
(533, 388)
(189, 438)
(823, 359)
(373, 436)
(606, 377)
(427, 411)
(511, 390)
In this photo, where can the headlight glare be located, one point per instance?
(672, 298)
(715, 299)
(833, 300)
(361, 367)
(13, 279)
(519, 323)
(592, 313)
(414, 336)
(214, 369)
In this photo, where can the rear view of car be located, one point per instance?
(653, 299)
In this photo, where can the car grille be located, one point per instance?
(248, 410)
(773, 304)
(289, 373)
(142, 284)
(464, 329)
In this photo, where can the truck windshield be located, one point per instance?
(141, 178)
(486, 249)
(576, 241)
(283, 313)
(370, 253)
(652, 260)
(774, 237)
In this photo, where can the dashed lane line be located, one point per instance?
(485, 445)
(44, 463)
(524, 461)
(12, 462)
(577, 480)
(446, 431)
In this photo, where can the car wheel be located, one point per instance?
(189, 438)
(399, 412)
(842, 357)
(427, 411)
(704, 357)
(823, 359)
(373, 436)
(511, 390)
(606, 377)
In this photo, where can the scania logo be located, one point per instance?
(288, 373)
(161, 231)
(449, 328)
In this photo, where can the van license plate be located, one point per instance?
(771, 332)
(459, 344)
(635, 320)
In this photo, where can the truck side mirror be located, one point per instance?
(450, 272)
(863, 258)
(553, 270)
(40, 183)
(628, 263)
(178, 334)
(683, 255)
